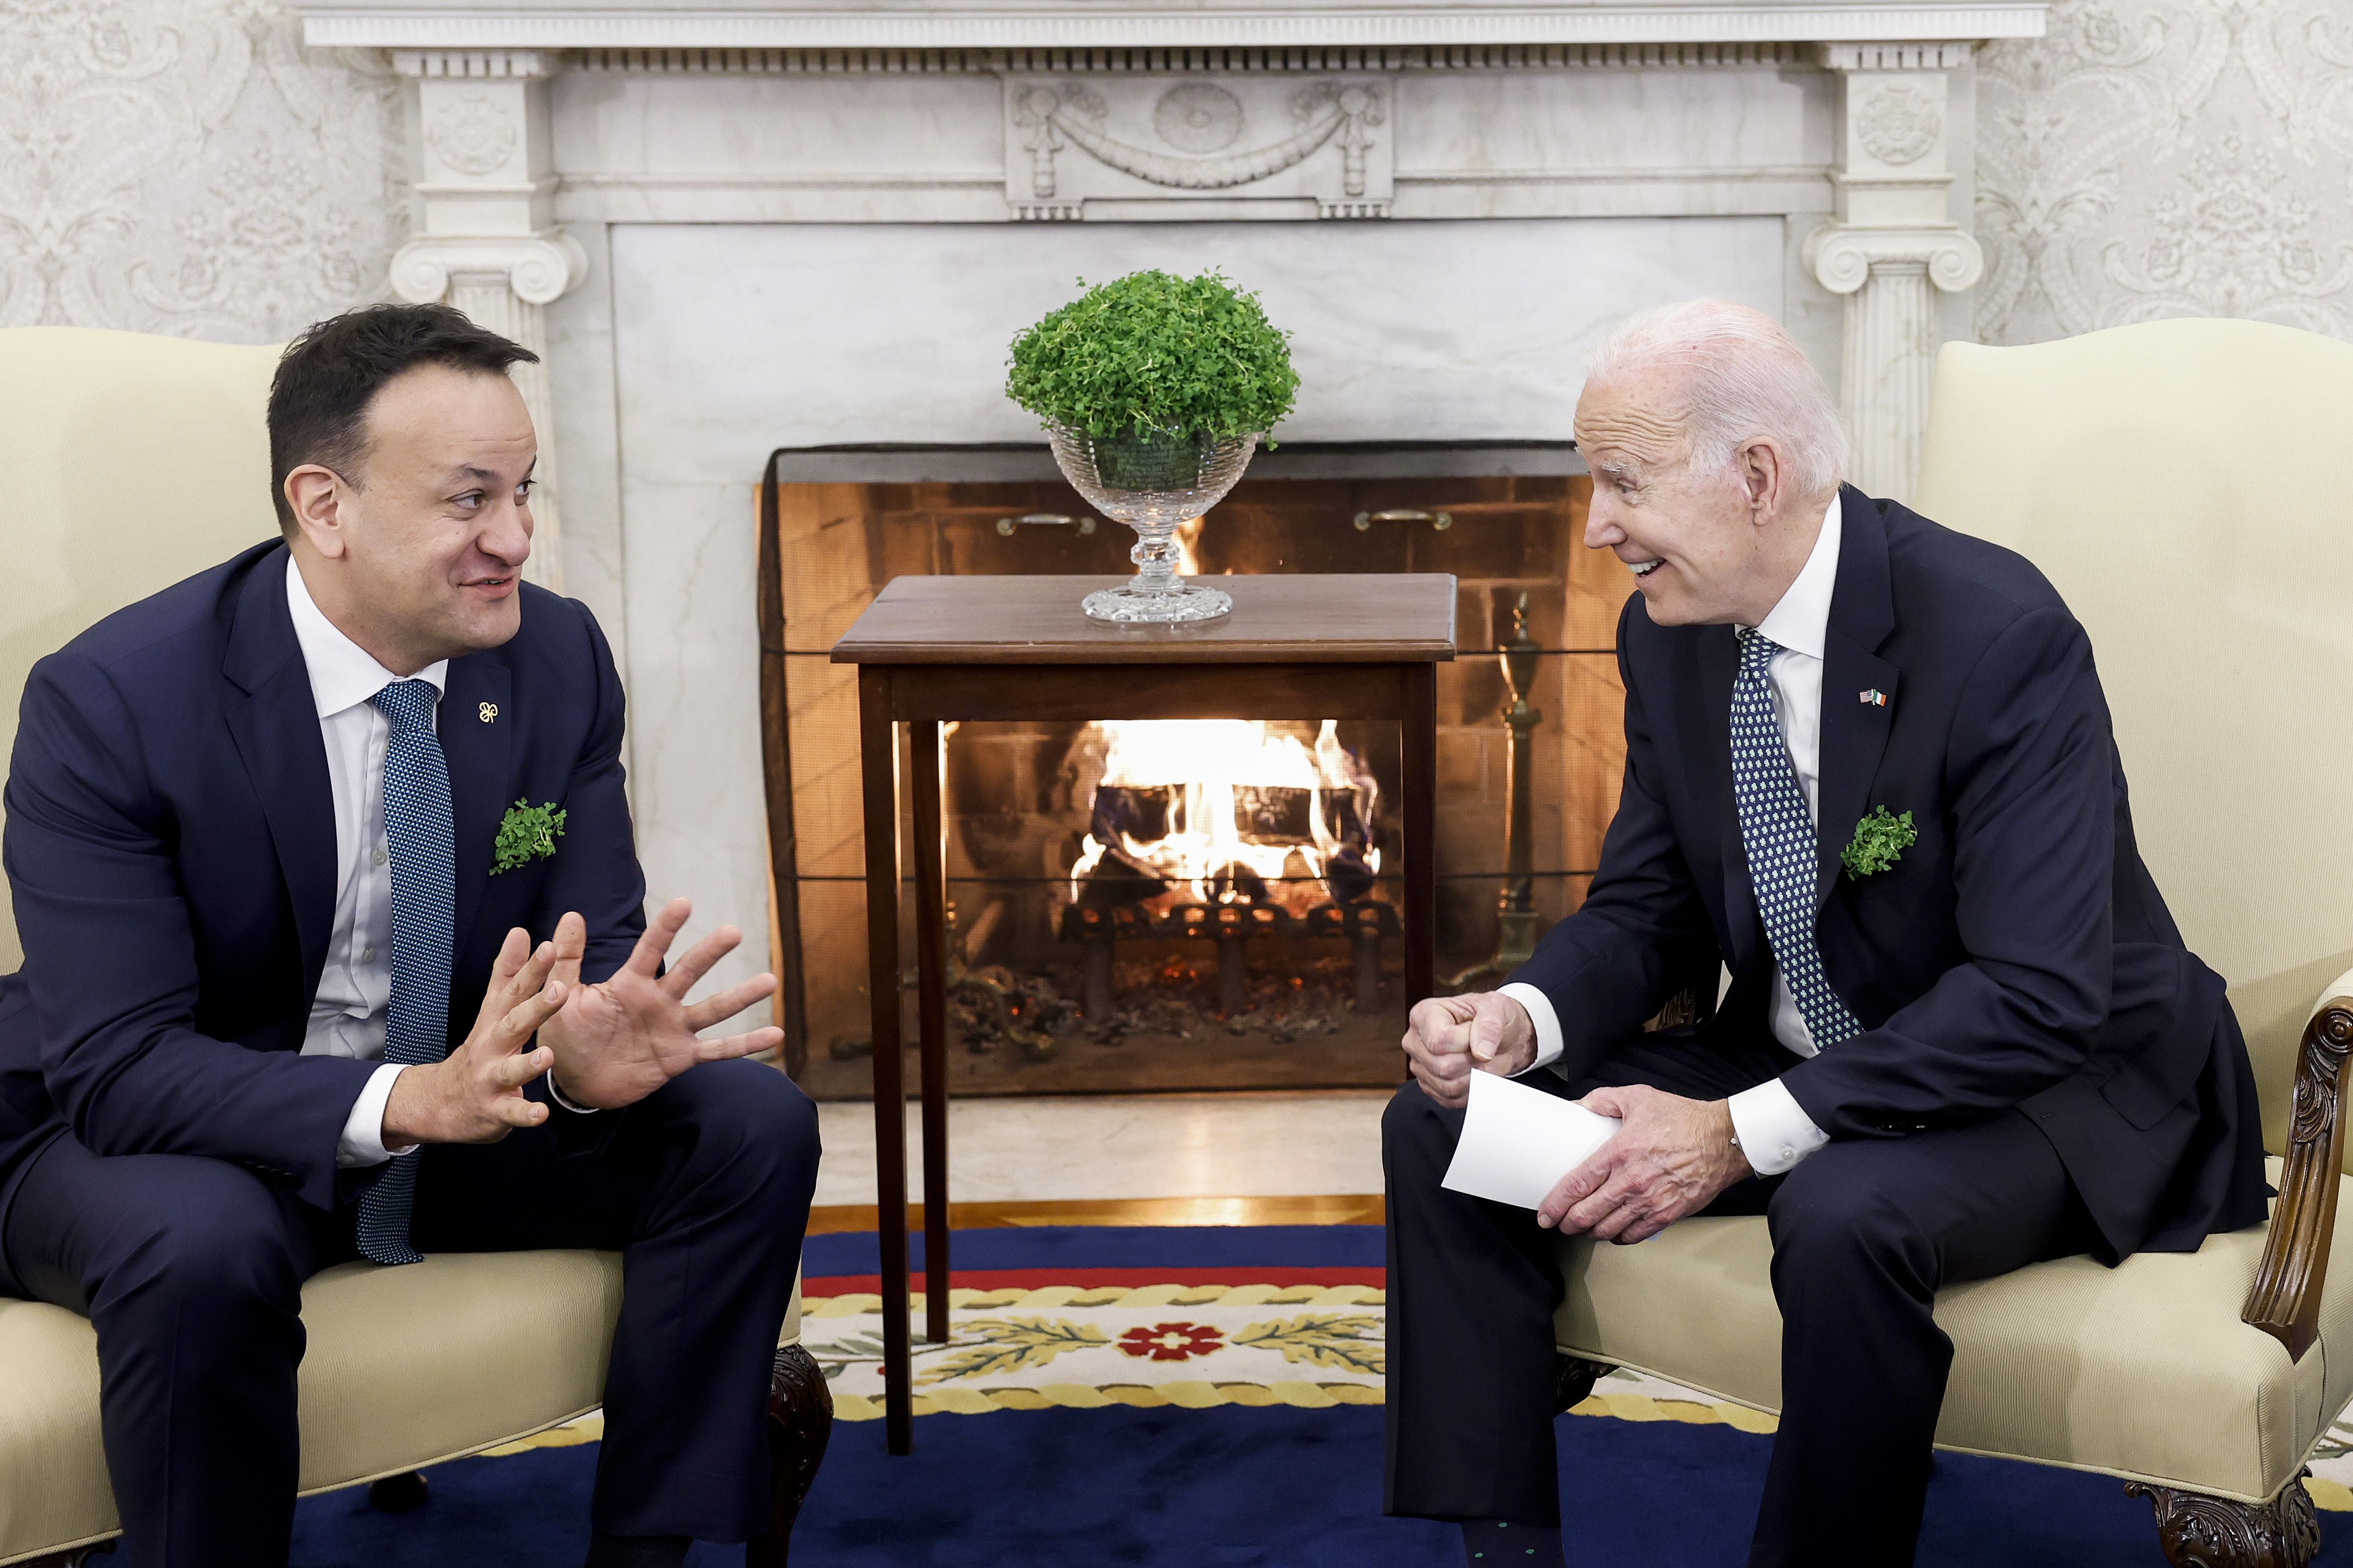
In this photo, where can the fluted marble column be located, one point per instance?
(1891, 246)
(488, 243)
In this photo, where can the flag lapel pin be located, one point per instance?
(1873, 697)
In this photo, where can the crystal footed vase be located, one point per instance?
(1153, 483)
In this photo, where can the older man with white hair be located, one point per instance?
(1869, 772)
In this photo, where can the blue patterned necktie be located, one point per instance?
(417, 826)
(1778, 834)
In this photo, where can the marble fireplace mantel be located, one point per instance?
(737, 224)
(1026, 25)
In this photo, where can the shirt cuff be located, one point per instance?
(1774, 1132)
(363, 1139)
(1540, 1013)
(557, 1095)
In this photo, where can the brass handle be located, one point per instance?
(1006, 525)
(1438, 521)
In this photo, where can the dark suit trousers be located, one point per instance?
(1864, 1232)
(191, 1269)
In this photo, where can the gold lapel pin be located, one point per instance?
(1873, 697)
(488, 710)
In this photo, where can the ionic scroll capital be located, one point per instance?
(1840, 255)
(540, 269)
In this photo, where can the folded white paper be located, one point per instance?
(1518, 1143)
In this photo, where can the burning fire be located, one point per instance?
(1203, 802)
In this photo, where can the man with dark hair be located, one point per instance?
(319, 399)
(290, 996)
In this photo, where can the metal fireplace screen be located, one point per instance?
(1189, 905)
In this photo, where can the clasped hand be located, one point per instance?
(1670, 1158)
(609, 1044)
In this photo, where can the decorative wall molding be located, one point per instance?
(539, 269)
(484, 179)
(1841, 257)
(486, 64)
(633, 24)
(470, 134)
(1890, 248)
(1159, 62)
(1070, 141)
(1899, 123)
(1947, 55)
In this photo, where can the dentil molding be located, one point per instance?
(528, 24)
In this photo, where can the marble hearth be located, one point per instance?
(746, 224)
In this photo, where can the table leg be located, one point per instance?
(1420, 744)
(931, 970)
(878, 749)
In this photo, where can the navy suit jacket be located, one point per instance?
(171, 853)
(2017, 956)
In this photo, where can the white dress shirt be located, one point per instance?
(354, 998)
(1774, 1132)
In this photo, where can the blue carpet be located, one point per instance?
(1176, 1488)
(1288, 1489)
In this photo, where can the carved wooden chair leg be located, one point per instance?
(1573, 1378)
(2201, 1531)
(403, 1493)
(800, 1423)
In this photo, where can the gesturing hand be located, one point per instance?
(1449, 1037)
(1670, 1158)
(618, 1040)
(474, 1095)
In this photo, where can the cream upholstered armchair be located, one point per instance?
(2183, 484)
(126, 463)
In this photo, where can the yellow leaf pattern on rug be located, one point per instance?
(1347, 1341)
(1009, 1344)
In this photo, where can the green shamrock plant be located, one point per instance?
(1880, 840)
(1152, 355)
(527, 833)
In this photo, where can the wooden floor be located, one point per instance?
(1348, 1209)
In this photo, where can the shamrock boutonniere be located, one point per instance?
(1880, 840)
(526, 833)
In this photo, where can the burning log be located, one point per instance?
(1224, 809)
(1114, 881)
(1142, 813)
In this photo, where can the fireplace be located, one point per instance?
(742, 225)
(1191, 905)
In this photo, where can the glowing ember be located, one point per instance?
(1219, 805)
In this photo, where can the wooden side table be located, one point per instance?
(935, 648)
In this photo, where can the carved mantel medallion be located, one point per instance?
(471, 133)
(1899, 123)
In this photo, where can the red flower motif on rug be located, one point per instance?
(1171, 1342)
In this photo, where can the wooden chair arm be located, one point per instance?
(2285, 1302)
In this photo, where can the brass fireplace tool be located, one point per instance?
(1515, 914)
